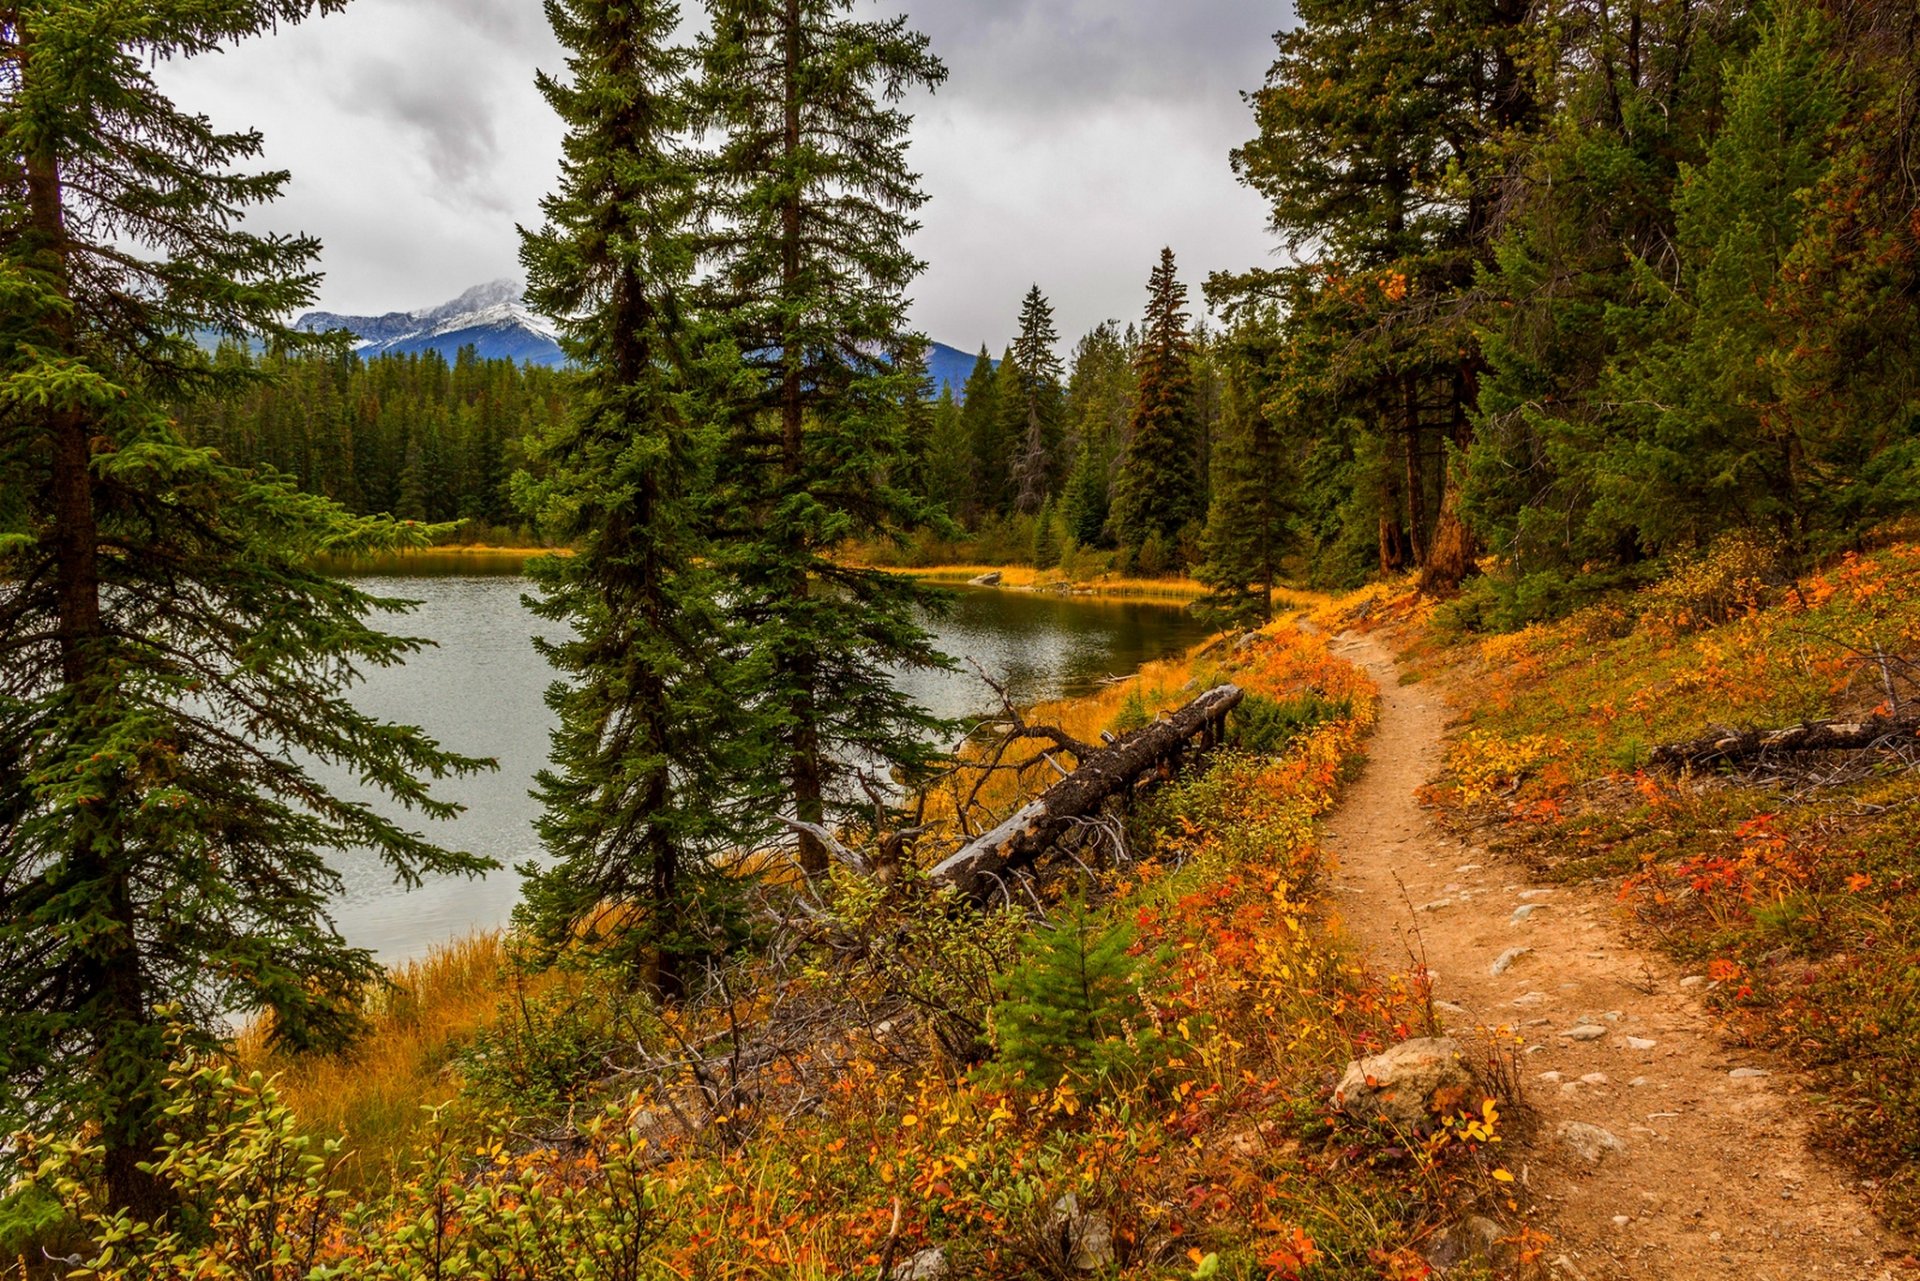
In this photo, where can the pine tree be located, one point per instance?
(1158, 493)
(1038, 376)
(653, 763)
(980, 423)
(810, 204)
(167, 658)
(1071, 1010)
(1250, 517)
(1099, 413)
(949, 463)
(1386, 132)
(1046, 537)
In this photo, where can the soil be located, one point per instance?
(1714, 1177)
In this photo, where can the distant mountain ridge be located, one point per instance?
(495, 321)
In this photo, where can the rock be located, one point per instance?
(1640, 1043)
(1638, 1082)
(1552, 1078)
(1693, 981)
(928, 1265)
(1438, 905)
(1585, 1032)
(993, 579)
(1621, 1220)
(1084, 1240)
(1247, 642)
(1528, 896)
(1595, 1078)
(1507, 958)
(1589, 1143)
(1399, 1086)
(1749, 1074)
(1525, 912)
(1448, 1007)
(1475, 1240)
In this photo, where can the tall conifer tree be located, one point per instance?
(1158, 492)
(652, 772)
(810, 204)
(980, 424)
(167, 658)
(1038, 375)
(1249, 516)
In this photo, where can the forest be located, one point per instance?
(1589, 358)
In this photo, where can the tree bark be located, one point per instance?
(975, 871)
(1815, 736)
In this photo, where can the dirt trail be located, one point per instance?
(1713, 1177)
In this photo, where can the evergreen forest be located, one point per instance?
(1587, 362)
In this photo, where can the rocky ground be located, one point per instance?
(1656, 1151)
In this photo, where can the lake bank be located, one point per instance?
(480, 688)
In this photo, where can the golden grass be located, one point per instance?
(377, 1094)
(1027, 578)
(1160, 686)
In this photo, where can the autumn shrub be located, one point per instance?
(548, 1052)
(1736, 574)
(939, 953)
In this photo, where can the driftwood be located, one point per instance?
(976, 870)
(1723, 745)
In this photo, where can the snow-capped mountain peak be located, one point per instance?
(492, 318)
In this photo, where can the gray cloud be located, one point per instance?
(1073, 139)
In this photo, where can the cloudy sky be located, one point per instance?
(1073, 139)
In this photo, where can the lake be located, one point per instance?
(480, 692)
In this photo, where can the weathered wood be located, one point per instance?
(976, 870)
(1723, 745)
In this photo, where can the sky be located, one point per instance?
(1071, 141)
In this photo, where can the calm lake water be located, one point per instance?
(480, 692)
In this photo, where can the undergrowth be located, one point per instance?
(1124, 1071)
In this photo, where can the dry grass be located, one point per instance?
(377, 1094)
(1027, 578)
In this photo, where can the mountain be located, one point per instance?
(493, 319)
(949, 367)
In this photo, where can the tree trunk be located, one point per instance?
(975, 871)
(1816, 736)
(806, 769)
(1451, 558)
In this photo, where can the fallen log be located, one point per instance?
(1724, 745)
(976, 870)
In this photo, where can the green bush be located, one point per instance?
(549, 1053)
(1267, 726)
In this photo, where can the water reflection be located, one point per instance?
(480, 691)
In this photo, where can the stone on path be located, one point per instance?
(1507, 958)
(1589, 1143)
(1585, 1032)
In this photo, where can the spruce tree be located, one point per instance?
(809, 205)
(1158, 492)
(980, 422)
(1038, 377)
(168, 661)
(1249, 517)
(1071, 1010)
(653, 764)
